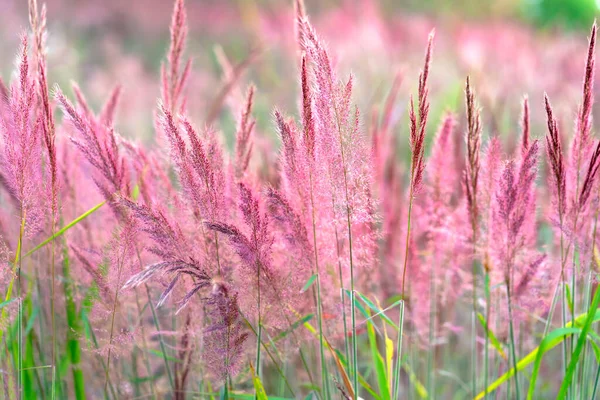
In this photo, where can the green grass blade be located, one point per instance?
(492, 337)
(579, 347)
(309, 283)
(294, 326)
(551, 340)
(530, 358)
(380, 369)
(258, 386)
(75, 328)
(65, 228)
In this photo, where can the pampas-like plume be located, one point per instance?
(557, 163)
(99, 144)
(594, 165)
(243, 142)
(525, 126)
(417, 144)
(225, 336)
(512, 215)
(173, 77)
(473, 138)
(418, 125)
(173, 250)
(20, 156)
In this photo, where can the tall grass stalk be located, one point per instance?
(112, 320)
(512, 340)
(324, 375)
(432, 345)
(161, 340)
(75, 328)
(398, 365)
(486, 361)
(19, 262)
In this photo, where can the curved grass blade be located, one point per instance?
(530, 358)
(551, 340)
(65, 228)
(566, 383)
(493, 339)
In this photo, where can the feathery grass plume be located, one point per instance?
(525, 126)
(513, 200)
(581, 147)
(434, 291)
(96, 273)
(254, 252)
(584, 114)
(444, 214)
(511, 219)
(299, 167)
(417, 143)
(341, 165)
(243, 136)
(292, 225)
(20, 146)
(289, 158)
(176, 255)
(557, 163)
(471, 181)
(471, 177)
(38, 26)
(173, 77)
(225, 336)
(200, 167)
(122, 251)
(230, 90)
(21, 168)
(99, 144)
(590, 177)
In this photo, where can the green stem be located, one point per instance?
(160, 337)
(487, 336)
(324, 380)
(259, 335)
(512, 340)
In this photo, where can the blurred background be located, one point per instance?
(511, 48)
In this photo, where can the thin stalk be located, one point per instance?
(585, 359)
(324, 379)
(277, 367)
(408, 224)
(588, 289)
(564, 292)
(53, 277)
(112, 321)
(145, 346)
(259, 335)
(160, 337)
(487, 336)
(474, 321)
(348, 219)
(75, 328)
(512, 340)
(406, 248)
(431, 351)
(346, 348)
(596, 382)
(398, 366)
(20, 312)
(95, 342)
(352, 305)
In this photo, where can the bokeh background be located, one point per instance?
(511, 48)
